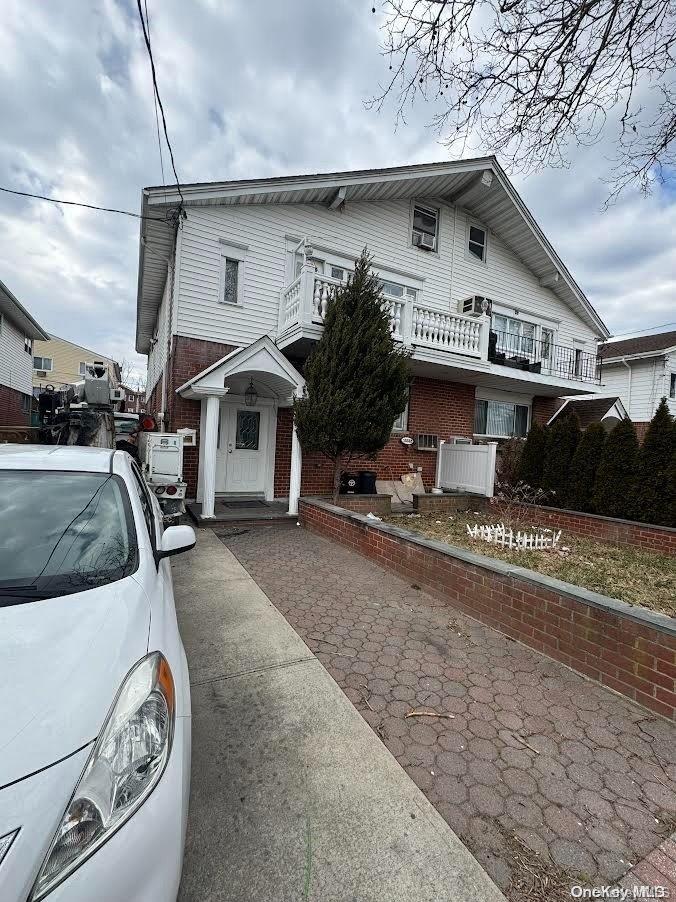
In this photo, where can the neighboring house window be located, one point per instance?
(232, 273)
(401, 423)
(672, 385)
(43, 363)
(477, 242)
(28, 344)
(425, 227)
(26, 403)
(500, 419)
(83, 368)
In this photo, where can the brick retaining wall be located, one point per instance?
(427, 503)
(660, 539)
(629, 649)
(365, 504)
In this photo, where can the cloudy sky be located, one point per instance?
(250, 88)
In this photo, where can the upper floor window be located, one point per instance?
(83, 368)
(477, 242)
(672, 385)
(43, 363)
(514, 336)
(28, 345)
(232, 274)
(425, 229)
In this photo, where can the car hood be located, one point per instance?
(61, 663)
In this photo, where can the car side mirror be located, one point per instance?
(175, 540)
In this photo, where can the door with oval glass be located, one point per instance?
(243, 446)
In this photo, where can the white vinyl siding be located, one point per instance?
(384, 227)
(649, 384)
(157, 355)
(16, 366)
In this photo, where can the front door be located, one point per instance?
(243, 443)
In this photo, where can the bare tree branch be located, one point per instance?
(527, 78)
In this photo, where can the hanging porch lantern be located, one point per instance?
(251, 395)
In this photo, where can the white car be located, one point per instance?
(94, 687)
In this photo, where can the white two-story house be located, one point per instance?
(641, 371)
(18, 330)
(232, 295)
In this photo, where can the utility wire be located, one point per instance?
(634, 331)
(75, 203)
(159, 99)
(157, 118)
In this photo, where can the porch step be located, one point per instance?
(242, 513)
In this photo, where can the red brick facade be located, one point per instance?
(624, 651)
(435, 407)
(11, 411)
(544, 409)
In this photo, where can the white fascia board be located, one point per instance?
(645, 355)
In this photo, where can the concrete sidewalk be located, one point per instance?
(293, 796)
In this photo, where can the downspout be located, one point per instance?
(628, 366)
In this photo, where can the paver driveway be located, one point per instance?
(548, 778)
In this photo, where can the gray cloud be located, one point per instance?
(250, 89)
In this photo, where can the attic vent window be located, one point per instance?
(425, 227)
(477, 242)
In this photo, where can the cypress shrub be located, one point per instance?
(653, 498)
(562, 441)
(616, 473)
(583, 469)
(532, 457)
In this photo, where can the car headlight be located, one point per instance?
(124, 766)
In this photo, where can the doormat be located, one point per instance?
(237, 505)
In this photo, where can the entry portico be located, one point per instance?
(240, 395)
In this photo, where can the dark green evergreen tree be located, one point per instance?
(533, 456)
(583, 468)
(653, 498)
(616, 473)
(356, 379)
(562, 441)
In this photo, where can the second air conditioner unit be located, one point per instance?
(425, 241)
(477, 305)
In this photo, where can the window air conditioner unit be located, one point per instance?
(42, 374)
(426, 242)
(425, 442)
(477, 305)
(460, 440)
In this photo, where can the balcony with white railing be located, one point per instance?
(303, 306)
(433, 334)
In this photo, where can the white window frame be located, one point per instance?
(82, 368)
(27, 344)
(672, 386)
(237, 253)
(499, 397)
(473, 224)
(430, 209)
(401, 423)
(43, 368)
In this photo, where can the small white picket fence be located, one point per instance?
(521, 541)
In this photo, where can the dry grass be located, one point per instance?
(634, 576)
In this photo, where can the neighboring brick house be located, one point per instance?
(641, 371)
(18, 331)
(232, 294)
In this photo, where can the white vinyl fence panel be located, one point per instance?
(467, 468)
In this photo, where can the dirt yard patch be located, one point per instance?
(637, 577)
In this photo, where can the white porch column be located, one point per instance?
(209, 455)
(296, 468)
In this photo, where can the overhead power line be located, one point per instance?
(75, 203)
(157, 95)
(157, 118)
(647, 329)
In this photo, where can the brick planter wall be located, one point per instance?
(629, 649)
(607, 529)
(429, 503)
(365, 504)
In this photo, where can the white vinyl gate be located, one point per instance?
(466, 468)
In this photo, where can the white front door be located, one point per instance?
(242, 449)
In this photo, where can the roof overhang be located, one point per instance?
(610, 412)
(261, 363)
(15, 311)
(478, 185)
(644, 355)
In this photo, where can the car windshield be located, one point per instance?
(62, 532)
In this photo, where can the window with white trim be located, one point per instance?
(46, 364)
(476, 244)
(500, 419)
(232, 274)
(401, 423)
(28, 345)
(672, 385)
(425, 227)
(83, 368)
